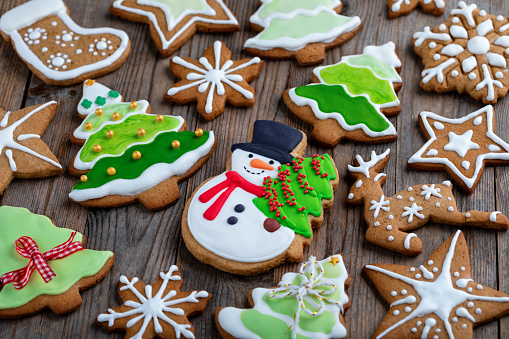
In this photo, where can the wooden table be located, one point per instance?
(146, 243)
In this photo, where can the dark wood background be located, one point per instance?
(146, 243)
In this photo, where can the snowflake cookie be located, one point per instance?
(438, 299)
(390, 218)
(158, 310)
(467, 53)
(404, 7)
(212, 80)
(307, 304)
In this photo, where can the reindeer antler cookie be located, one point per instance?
(390, 218)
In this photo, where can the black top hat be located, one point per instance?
(273, 140)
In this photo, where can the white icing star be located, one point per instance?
(377, 205)
(461, 144)
(411, 211)
(428, 191)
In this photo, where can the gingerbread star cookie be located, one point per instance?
(404, 7)
(436, 299)
(22, 152)
(214, 79)
(173, 22)
(158, 310)
(462, 146)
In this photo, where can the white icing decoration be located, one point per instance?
(385, 53)
(472, 76)
(488, 82)
(8, 153)
(451, 50)
(428, 34)
(377, 223)
(459, 32)
(469, 64)
(399, 197)
(462, 283)
(446, 183)
(496, 60)
(378, 176)
(466, 11)
(450, 208)
(467, 215)
(364, 166)
(389, 227)
(432, 44)
(437, 71)
(437, 204)
(429, 191)
(432, 152)
(377, 205)
(391, 238)
(430, 262)
(478, 121)
(493, 216)
(455, 73)
(465, 164)
(502, 41)
(438, 125)
(411, 211)
(350, 196)
(493, 148)
(91, 92)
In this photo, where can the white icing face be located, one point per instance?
(254, 167)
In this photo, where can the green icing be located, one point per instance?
(113, 94)
(125, 135)
(16, 222)
(360, 81)
(86, 103)
(160, 150)
(331, 271)
(100, 100)
(266, 326)
(354, 110)
(379, 67)
(312, 201)
(285, 6)
(108, 110)
(302, 25)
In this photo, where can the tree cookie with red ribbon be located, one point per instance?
(56, 49)
(44, 266)
(158, 310)
(261, 211)
(214, 79)
(404, 7)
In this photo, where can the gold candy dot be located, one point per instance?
(141, 132)
(111, 171)
(83, 178)
(97, 148)
(175, 144)
(115, 116)
(110, 134)
(88, 126)
(134, 105)
(136, 155)
(159, 118)
(198, 132)
(98, 112)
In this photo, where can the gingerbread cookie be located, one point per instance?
(301, 29)
(212, 80)
(467, 53)
(389, 218)
(96, 95)
(25, 155)
(173, 22)
(404, 7)
(130, 155)
(44, 266)
(307, 304)
(437, 299)
(349, 100)
(56, 49)
(158, 310)
(261, 211)
(462, 146)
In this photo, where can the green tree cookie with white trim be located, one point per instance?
(351, 99)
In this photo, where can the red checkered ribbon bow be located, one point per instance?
(28, 248)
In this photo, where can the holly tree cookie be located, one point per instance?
(173, 22)
(129, 155)
(158, 310)
(301, 29)
(23, 154)
(212, 80)
(261, 211)
(44, 266)
(462, 146)
(308, 304)
(404, 7)
(438, 299)
(390, 218)
(467, 53)
(56, 49)
(351, 99)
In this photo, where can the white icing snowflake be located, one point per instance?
(58, 61)
(466, 53)
(377, 205)
(100, 47)
(411, 211)
(33, 36)
(428, 191)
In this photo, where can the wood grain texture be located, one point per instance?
(146, 242)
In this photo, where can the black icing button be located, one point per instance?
(232, 220)
(239, 208)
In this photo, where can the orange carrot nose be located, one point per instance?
(257, 163)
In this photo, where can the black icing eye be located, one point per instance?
(271, 162)
(250, 155)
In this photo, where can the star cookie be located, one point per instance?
(404, 7)
(461, 146)
(173, 22)
(212, 80)
(437, 299)
(157, 310)
(22, 152)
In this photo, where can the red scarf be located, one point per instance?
(233, 180)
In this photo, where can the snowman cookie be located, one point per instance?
(56, 49)
(261, 211)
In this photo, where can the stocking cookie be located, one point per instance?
(213, 80)
(462, 146)
(390, 218)
(22, 152)
(437, 299)
(300, 29)
(173, 22)
(129, 155)
(307, 304)
(44, 266)
(349, 100)
(56, 49)
(261, 211)
(404, 7)
(157, 310)
(467, 53)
